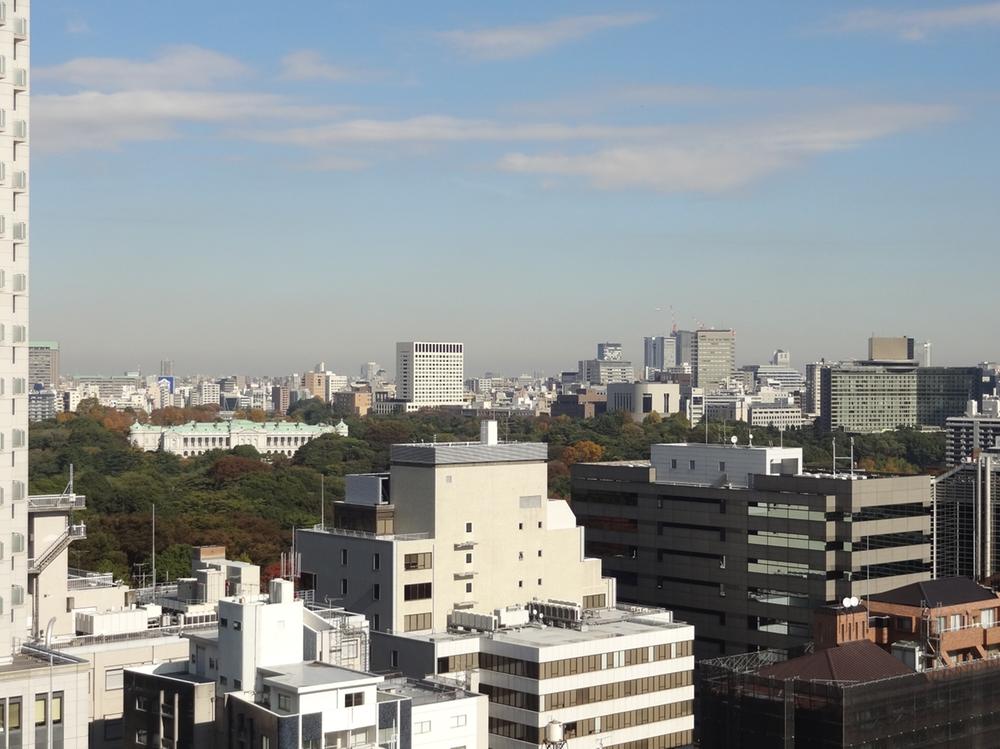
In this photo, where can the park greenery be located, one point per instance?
(250, 503)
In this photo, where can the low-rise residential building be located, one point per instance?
(913, 666)
(777, 416)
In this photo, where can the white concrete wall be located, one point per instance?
(715, 463)
(453, 723)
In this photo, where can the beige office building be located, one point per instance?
(468, 571)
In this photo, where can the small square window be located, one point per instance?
(468, 587)
(691, 465)
(520, 555)
(237, 626)
(343, 556)
(673, 464)
(468, 527)
(539, 552)
(520, 526)
(539, 523)
(520, 583)
(539, 581)
(468, 558)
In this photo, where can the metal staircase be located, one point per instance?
(57, 547)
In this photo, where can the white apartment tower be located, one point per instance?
(430, 374)
(14, 56)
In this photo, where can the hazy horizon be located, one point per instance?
(242, 194)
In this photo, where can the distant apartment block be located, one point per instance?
(42, 404)
(867, 398)
(430, 374)
(976, 431)
(776, 416)
(43, 363)
(281, 399)
(713, 357)
(357, 402)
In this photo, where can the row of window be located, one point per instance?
(586, 663)
(588, 726)
(618, 690)
(11, 709)
(416, 622)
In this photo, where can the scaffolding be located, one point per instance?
(954, 706)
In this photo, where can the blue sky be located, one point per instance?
(247, 187)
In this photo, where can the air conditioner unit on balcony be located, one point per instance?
(20, 231)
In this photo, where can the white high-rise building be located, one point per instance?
(430, 374)
(13, 322)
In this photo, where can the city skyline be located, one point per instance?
(346, 178)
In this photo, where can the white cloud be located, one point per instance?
(441, 129)
(178, 67)
(77, 26)
(93, 120)
(720, 159)
(914, 25)
(332, 163)
(308, 64)
(509, 42)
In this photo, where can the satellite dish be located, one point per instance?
(733, 439)
(848, 602)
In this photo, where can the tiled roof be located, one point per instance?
(945, 591)
(853, 661)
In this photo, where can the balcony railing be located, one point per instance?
(50, 502)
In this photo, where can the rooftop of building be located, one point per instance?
(597, 624)
(310, 675)
(853, 661)
(235, 425)
(944, 591)
(421, 691)
(176, 671)
(730, 447)
(454, 453)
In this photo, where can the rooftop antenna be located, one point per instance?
(843, 457)
(154, 553)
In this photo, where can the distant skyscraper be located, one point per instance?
(713, 357)
(369, 370)
(166, 367)
(280, 399)
(609, 351)
(659, 352)
(685, 346)
(430, 374)
(781, 358)
(43, 363)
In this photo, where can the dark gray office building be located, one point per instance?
(746, 558)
